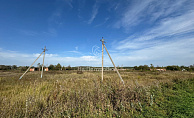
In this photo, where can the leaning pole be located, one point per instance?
(103, 46)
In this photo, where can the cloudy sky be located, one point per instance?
(137, 32)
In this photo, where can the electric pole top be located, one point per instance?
(102, 40)
(44, 49)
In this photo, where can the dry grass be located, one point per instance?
(68, 94)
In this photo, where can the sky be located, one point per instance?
(137, 32)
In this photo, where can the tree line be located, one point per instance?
(172, 68)
(23, 68)
(141, 67)
(59, 67)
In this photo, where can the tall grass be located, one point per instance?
(67, 94)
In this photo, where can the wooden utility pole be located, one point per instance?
(114, 65)
(103, 45)
(34, 62)
(102, 56)
(30, 66)
(43, 62)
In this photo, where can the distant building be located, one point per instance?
(34, 69)
(90, 68)
(158, 70)
(46, 69)
(38, 69)
(121, 69)
(184, 69)
(161, 69)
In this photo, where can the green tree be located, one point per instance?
(173, 68)
(51, 67)
(14, 67)
(151, 66)
(69, 67)
(58, 66)
(63, 68)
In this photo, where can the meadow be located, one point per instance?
(68, 94)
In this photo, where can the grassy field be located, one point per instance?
(68, 94)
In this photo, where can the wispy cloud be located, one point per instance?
(94, 13)
(28, 32)
(151, 10)
(167, 41)
(76, 48)
(133, 13)
(74, 51)
(105, 20)
(168, 27)
(69, 2)
(56, 18)
(174, 18)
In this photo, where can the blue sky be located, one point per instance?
(138, 32)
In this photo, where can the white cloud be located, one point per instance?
(16, 58)
(47, 55)
(94, 13)
(174, 52)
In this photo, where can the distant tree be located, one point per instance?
(51, 67)
(68, 67)
(24, 68)
(191, 68)
(14, 67)
(135, 68)
(151, 66)
(145, 67)
(173, 68)
(4, 67)
(63, 68)
(142, 67)
(58, 66)
(183, 67)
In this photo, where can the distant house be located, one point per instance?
(46, 69)
(90, 68)
(34, 69)
(38, 69)
(121, 69)
(161, 70)
(158, 70)
(184, 69)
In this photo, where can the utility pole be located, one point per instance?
(103, 45)
(102, 40)
(30, 66)
(43, 61)
(33, 63)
